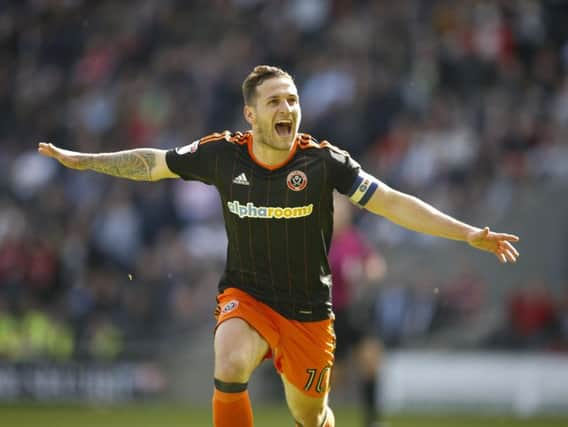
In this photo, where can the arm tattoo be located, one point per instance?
(132, 164)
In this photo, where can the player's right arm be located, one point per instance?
(141, 164)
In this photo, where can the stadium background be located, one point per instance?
(463, 103)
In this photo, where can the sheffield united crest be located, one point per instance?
(297, 180)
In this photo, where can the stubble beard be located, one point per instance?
(266, 137)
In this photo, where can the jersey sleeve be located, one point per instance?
(349, 179)
(193, 161)
(343, 169)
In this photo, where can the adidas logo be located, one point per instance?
(241, 179)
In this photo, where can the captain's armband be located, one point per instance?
(363, 188)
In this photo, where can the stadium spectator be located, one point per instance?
(532, 316)
(356, 269)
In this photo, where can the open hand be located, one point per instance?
(497, 243)
(70, 159)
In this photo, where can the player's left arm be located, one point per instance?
(415, 214)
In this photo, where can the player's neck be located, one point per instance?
(266, 154)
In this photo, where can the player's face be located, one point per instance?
(276, 115)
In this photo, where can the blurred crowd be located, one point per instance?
(459, 102)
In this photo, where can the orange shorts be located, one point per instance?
(301, 351)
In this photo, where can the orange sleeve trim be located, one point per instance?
(241, 138)
(308, 141)
(237, 137)
(216, 136)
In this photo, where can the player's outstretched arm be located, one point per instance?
(141, 164)
(415, 214)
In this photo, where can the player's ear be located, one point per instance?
(249, 114)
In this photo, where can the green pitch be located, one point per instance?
(153, 415)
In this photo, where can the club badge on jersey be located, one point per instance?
(297, 180)
(363, 188)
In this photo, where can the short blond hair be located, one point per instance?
(257, 76)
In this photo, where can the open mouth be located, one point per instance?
(283, 128)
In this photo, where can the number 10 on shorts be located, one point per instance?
(321, 381)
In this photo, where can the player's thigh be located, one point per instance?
(302, 405)
(239, 349)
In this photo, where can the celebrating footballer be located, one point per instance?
(276, 185)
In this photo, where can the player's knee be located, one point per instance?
(312, 416)
(233, 367)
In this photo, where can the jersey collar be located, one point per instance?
(249, 138)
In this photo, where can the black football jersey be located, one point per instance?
(278, 219)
